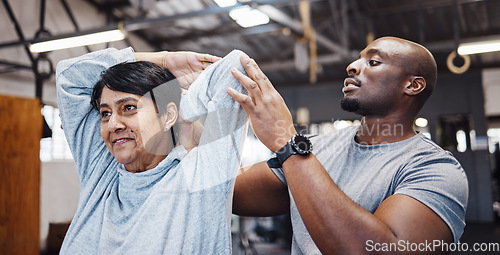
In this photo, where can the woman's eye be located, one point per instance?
(129, 107)
(373, 62)
(105, 114)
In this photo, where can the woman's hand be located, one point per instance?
(269, 116)
(184, 65)
(189, 132)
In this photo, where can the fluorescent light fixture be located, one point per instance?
(421, 122)
(248, 17)
(82, 40)
(478, 47)
(225, 3)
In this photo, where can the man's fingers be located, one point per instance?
(251, 86)
(254, 72)
(244, 100)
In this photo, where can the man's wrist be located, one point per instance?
(297, 145)
(282, 141)
(292, 160)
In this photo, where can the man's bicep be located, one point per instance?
(259, 192)
(412, 221)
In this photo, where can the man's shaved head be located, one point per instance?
(391, 75)
(416, 60)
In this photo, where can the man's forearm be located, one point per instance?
(336, 223)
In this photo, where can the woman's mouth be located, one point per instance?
(121, 141)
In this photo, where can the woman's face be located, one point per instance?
(129, 123)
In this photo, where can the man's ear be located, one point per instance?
(171, 115)
(416, 85)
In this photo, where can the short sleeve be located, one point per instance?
(439, 183)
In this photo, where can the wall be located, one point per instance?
(491, 85)
(463, 94)
(58, 196)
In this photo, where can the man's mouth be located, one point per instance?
(351, 84)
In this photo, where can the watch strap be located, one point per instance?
(273, 163)
(285, 152)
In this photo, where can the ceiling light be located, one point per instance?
(248, 17)
(225, 3)
(478, 47)
(82, 40)
(421, 122)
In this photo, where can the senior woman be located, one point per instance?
(141, 191)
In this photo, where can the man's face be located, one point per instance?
(128, 122)
(375, 80)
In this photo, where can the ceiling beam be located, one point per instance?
(140, 24)
(19, 32)
(406, 6)
(285, 20)
(269, 28)
(321, 60)
(14, 65)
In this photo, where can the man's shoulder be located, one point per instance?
(428, 158)
(433, 150)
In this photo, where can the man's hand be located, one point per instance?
(269, 116)
(184, 65)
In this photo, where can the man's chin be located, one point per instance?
(349, 104)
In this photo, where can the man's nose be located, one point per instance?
(353, 68)
(115, 123)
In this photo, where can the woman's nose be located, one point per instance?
(353, 68)
(115, 123)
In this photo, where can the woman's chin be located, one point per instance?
(123, 159)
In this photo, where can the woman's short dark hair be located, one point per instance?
(139, 78)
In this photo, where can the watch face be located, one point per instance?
(302, 144)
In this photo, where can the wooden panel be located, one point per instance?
(20, 134)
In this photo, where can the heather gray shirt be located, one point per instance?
(183, 205)
(368, 174)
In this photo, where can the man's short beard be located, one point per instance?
(349, 104)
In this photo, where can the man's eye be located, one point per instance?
(373, 62)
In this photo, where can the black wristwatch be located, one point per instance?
(299, 144)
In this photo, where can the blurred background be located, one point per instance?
(302, 46)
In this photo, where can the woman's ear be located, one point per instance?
(171, 115)
(416, 85)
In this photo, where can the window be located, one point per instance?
(493, 138)
(55, 147)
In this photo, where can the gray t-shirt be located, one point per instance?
(183, 205)
(368, 174)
